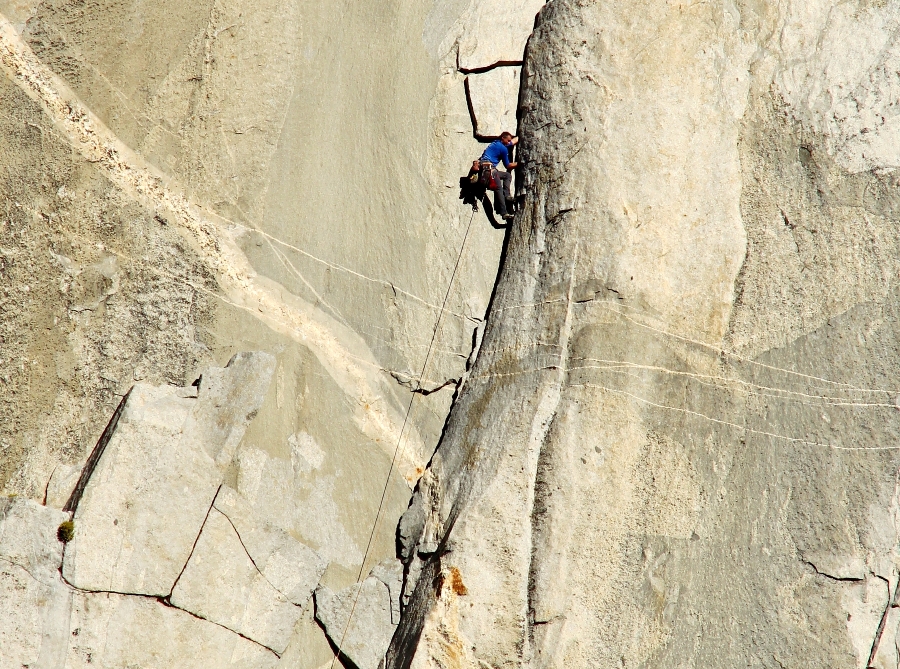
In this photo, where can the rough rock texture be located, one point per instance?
(181, 182)
(291, 567)
(153, 485)
(46, 623)
(110, 630)
(678, 444)
(675, 446)
(222, 584)
(495, 32)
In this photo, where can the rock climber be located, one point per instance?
(498, 152)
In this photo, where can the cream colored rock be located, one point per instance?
(390, 572)
(494, 97)
(113, 631)
(667, 439)
(28, 536)
(887, 654)
(365, 639)
(311, 509)
(290, 566)
(145, 502)
(222, 584)
(34, 602)
(248, 576)
(61, 484)
(309, 647)
(865, 603)
(229, 398)
(215, 110)
(496, 32)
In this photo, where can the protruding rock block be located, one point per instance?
(493, 99)
(293, 568)
(229, 399)
(28, 536)
(145, 502)
(390, 572)
(365, 640)
(221, 584)
(247, 575)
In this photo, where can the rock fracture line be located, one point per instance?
(339, 349)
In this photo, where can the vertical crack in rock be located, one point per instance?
(340, 350)
(535, 501)
(96, 454)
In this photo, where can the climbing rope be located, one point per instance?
(412, 399)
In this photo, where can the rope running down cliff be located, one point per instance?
(412, 399)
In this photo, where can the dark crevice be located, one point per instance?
(554, 619)
(196, 540)
(492, 66)
(345, 661)
(424, 597)
(165, 601)
(341, 656)
(406, 637)
(108, 592)
(837, 579)
(413, 385)
(95, 456)
(47, 487)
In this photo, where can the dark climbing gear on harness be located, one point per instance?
(486, 176)
(471, 190)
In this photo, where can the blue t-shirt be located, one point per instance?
(496, 153)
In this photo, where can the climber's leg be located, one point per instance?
(501, 194)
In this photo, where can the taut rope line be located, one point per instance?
(412, 399)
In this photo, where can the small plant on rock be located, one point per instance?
(66, 531)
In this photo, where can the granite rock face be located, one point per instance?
(674, 442)
(494, 99)
(678, 444)
(361, 619)
(247, 576)
(171, 200)
(113, 630)
(34, 602)
(221, 583)
(153, 485)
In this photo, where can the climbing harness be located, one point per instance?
(412, 399)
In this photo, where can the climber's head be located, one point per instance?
(506, 138)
